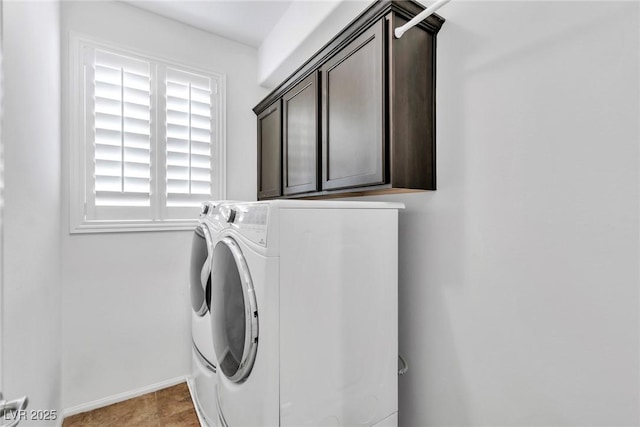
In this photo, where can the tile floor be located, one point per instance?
(169, 407)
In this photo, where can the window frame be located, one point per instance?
(80, 172)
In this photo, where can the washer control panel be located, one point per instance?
(250, 219)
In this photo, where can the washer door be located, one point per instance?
(234, 312)
(200, 280)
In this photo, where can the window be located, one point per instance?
(147, 146)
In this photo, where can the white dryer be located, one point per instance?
(203, 378)
(304, 313)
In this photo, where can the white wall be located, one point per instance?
(126, 304)
(519, 278)
(302, 30)
(519, 275)
(31, 138)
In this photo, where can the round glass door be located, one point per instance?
(200, 270)
(234, 312)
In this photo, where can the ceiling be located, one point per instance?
(248, 22)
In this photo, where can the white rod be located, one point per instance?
(419, 17)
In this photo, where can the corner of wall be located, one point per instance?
(31, 309)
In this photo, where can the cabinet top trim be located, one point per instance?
(404, 8)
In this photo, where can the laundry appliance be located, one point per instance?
(203, 378)
(304, 313)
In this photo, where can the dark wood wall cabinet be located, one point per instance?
(359, 116)
(269, 152)
(300, 137)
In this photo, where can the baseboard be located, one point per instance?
(90, 406)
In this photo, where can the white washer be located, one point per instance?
(304, 313)
(203, 367)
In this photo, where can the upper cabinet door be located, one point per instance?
(300, 137)
(270, 152)
(353, 113)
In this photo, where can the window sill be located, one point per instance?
(90, 227)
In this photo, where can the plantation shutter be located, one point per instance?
(148, 140)
(188, 138)
(122, 131)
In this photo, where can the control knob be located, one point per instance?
(230, 215)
